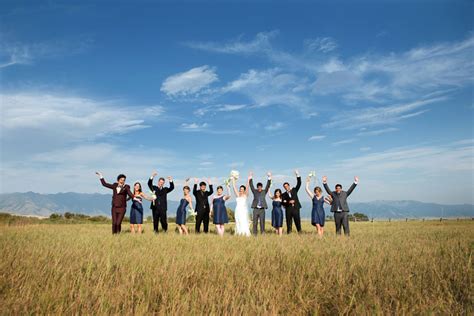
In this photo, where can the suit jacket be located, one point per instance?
(261, 195)
(339, 200)
(285, 197)
(161, 202)
(202, 199)
(119, 200)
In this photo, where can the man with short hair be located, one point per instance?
(292, 204)
(202, 204)
(159, 206)
(119, 200)
(339, 205)
(259, 203)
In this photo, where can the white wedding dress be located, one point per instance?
(242, 217)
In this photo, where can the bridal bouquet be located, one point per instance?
(312, 174)
(234, 174)
(153, 196)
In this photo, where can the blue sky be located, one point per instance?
(382, 90)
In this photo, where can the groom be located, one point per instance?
(202, 204)
(259, 203)
(159, 206)
(292, 204)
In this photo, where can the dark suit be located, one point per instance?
(202, 207)
(159, 207)
(340, 208)
(119, 204)
(292, 211)
(259, 204)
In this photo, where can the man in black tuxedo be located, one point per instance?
(292, 204)
(202, 204)
(339, 205)
(159, 206)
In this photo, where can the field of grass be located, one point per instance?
(396, 268)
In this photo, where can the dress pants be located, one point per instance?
(292, 213)
(258, 214)
(118, 214)
(160, 216)
(202, 217)
(342, 219)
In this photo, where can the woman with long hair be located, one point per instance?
(219, 210)
(277, 212)
(136, 211)
(181, 212)
(318, 215)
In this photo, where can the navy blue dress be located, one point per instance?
(181, 212)
(220, 211)
(277, 214)
(317, 213)
(136, 212)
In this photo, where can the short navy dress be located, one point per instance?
(220, 211)
(181, 212)
(317, 213)
(136, 212)
(277, 215)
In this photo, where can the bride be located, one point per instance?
(241, 210)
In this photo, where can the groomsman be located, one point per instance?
(119, 200)
(202, 204)
(292, 204)
(259, 203)
(159, 206)
(339, 205)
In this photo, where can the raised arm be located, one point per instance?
(235, 188)
(270, 195)
(269, 182)
(129, 192)
(171, 187)
(356, 180)
(190, 201)
(228, 196)
(195, 191)
(150, 181)
(251, 182)
(104, 183)
(325, 185)
(211, 189)
(247, 186)
(298, 180)
(311, 195)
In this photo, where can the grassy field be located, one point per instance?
(396, 268)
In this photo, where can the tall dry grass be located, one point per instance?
(395, 268)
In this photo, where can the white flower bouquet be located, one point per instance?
(234, 174)
(153, 196)
(192, 212)
(312, 174)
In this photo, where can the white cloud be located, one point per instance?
(316, 137)
(373, 116)
(322, 44)
(275, 126)
(189, 82)
(238, 46)
(193, 127)
(36, 122)
(378, 131)
(344, 142)
(220, 108)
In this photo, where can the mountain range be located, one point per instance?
(43, 205)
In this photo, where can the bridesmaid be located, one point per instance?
(219, 210)
(136, 211)
(181, 212)
(277, 212)
(317, 213)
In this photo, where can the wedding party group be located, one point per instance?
(285, 204)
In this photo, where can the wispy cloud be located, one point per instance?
(316, 137)
(275, 126)
(189, 82)
(193, 127)
(378, 131)
(322, 44)
(220, 108)
(344, 142)
(373, 116)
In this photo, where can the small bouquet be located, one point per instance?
(234, 174)
(192, 212)
(312, 174)
(153, 196)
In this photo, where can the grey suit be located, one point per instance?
(259, 204)
(340, 208)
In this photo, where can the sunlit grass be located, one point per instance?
(398, 267)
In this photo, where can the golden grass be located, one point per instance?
(396, 268)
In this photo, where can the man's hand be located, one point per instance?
(154, 174)
(325, 179)
(99, 174)
(170, 179)
(297, 173)
(269, 174)
(250, 174)
(209, 181)
(196, 180)
(356, 179)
